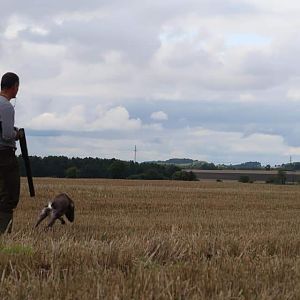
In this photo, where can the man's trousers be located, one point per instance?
(9, 188)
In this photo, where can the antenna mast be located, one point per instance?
(135, 153)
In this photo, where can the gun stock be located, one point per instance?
(24, 151)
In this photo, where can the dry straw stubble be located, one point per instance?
(156, 240)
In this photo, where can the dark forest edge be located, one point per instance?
(64, 167)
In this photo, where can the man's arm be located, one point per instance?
(8, 118)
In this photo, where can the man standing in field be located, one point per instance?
(9, 169)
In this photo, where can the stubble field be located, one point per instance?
(156, 240)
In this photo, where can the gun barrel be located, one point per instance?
(24, 151)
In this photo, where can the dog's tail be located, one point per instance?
(45, 212)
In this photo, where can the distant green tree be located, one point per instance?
(244, 179)
(281, 177)
(117, 169)
(296, 165)
(72, 172)
(153, 174)
(207, 166)
(88, 167)
(137, 176)
(170, 170)
(185, 176)
(250, 165)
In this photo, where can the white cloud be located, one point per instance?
(116, 118)
(179, 56)
(230, 147)
(14, 26)
(196, 143)
(247, 97)
(159, 116)
(293, 94)
(89, 65)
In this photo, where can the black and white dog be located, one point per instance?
(61, 205)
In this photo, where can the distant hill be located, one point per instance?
(183, 162)
(173, 161)
(248, 165)
(197, 164)
(179, 161)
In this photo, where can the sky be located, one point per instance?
(210, 80)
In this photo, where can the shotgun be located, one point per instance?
(24, 151)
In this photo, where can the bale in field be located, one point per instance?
(61, 205)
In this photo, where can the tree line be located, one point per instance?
(64, 167)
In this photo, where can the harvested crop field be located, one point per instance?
(156, 240)
(254, 175)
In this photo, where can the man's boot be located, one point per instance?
(6, 220)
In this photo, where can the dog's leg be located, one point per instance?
(54, 216)
(62, 221)
(44, 214)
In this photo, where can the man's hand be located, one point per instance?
(19, 134)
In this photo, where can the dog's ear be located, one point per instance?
(70, 212)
